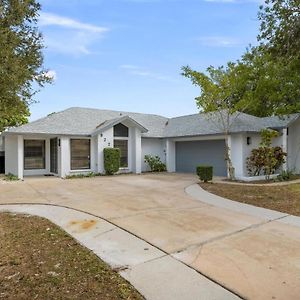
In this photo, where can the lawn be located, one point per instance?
(38, 260)
(281, 198)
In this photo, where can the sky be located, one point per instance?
(127, 54)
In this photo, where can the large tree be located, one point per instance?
(274, 65)
(21, 60)
(221, 91)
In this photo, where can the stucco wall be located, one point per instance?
(240, 151)
(11, 157)
(153, 147)
(294, 147)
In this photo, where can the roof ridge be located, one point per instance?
(116, 111)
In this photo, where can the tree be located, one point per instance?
(280, 27)
(21, 60)
(274, 65)
(221, 98)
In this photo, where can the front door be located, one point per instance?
(53, 155)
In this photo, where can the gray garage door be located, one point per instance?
(191, 154)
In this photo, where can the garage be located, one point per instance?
(190, 154)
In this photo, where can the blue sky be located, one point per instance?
(127, 54)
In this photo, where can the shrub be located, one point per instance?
(111, 160)
(11, 177)
(285, 175)
(205, 173)
(155, 164)
(265, 160)
(82, 175)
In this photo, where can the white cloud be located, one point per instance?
(129, 67)
(137, 71)
(218, 41)
(69, 36)
(48, 19)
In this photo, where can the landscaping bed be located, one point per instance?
(281, 198)
(38, 260)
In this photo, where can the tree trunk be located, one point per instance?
(230, 167)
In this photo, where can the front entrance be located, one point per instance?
(53, 155)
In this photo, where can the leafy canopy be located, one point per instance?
(21, 60)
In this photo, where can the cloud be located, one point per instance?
(218, 41)
(69, 36)
(47, 19)
(137, 71)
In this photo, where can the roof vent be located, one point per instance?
(121, 114)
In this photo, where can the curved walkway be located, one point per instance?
(154, 273)
(197, 192)
(254, 255)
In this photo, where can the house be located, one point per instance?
(72, 141)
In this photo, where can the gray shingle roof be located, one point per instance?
(84, 121)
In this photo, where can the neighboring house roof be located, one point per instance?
(87, 121)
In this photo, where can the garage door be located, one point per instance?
(194, 153)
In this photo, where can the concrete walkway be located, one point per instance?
(252, 252)
(154, 273)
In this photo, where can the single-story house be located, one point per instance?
(72, 141)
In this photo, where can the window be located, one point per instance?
(80, 154)
(123, 146)
(34, 154)
(120, 130)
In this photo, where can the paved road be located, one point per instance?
(257, 257)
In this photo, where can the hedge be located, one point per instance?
(111, 160)
(205, 173)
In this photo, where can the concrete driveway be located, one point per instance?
(256, 257)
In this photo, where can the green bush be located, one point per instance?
(155, 164)
(205, 173)
(285, 175)
(11, 177)
(82, 175)
(111, 160)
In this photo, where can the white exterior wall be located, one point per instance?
(14, 155)
(152, 146)
(135, 141)
(106, 138)
(293, 147)
(170, 155)
(240, 151)
(236, 150)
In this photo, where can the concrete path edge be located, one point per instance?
(153, 272)
(198, 193)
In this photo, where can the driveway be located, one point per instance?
(256, 257)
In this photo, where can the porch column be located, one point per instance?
(136, 151)
(285, 147)
(170, 156)
(20, 159)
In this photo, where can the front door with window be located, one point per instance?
(53, 155)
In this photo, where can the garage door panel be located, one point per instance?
(193, 153)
